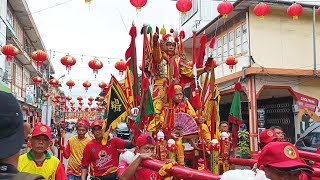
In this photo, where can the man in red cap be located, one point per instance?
(129, 166)
(266, 136)
(281, 160)
(102, 159)
(74, 150)
(38, 160)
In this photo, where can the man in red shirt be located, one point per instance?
(129, 162)
(102, 159)
(74, 150)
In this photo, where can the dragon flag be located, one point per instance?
(116, 110)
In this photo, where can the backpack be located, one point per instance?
(27, 176)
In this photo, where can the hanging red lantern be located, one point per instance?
(92, 109)
(295, 11)
(79, 98)
(68, 98)
(86, 109)
(86, 85)
(95, 65)
(261, 10)
(102, 85)
(39, 56)
(138, 4)
(231, 61)
(101, 98)
(184, 6)
(10, 51)
(80, 108)
(98, 103)
(57, 96)
(80, 103)
(71, 103)
(70, 83)
(90, 99)
(37, 80)
(54, 83)
(68, 61)
(318, 11)
(120, 66)
(90, 103)
(54, 100)
(63, 101)
(46, 95)
(225, 8)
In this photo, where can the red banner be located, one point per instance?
(306, 101)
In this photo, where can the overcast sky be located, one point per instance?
(101, 29)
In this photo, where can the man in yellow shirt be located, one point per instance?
(38, 160)
(74, 150)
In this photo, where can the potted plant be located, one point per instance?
(243, 146)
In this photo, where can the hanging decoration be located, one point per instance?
(10, 51)
(90, 103)
(98, 103)
(102, 85)
(39, 56)
(295, 11)
(87, 1)
(184, 6)
(54, 83)
(57, 96)
(92, 109)
(54, 100)
(70, 84)
(86, 85)
(231, 61)
(101, 98)
(90, 99)
(120, 66)
(138, 4)
(80, 103)
(68, 61)
(37, 80)
(95, 65)
(225, 8)
(80, 108)
(71, 103)
(261, 10)
(68, 98)
(46, 95)
(79, 98)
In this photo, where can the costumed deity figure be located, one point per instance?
(161, 146)
(171, 67)
(225, 146)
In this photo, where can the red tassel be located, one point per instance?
(238, 86)
(133, 31)
(211, 45)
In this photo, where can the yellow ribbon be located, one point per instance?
(168, 166)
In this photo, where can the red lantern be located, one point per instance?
(295, 11)
(39, 56)
(71, 103)
(225, 8)
(101, 98)
(46, 95)
(102, 85)
(98, 103)
(10, 51)
(68, 61)
(90, 103)
(138, 4)
(231, 61)
(68, 98)
(54, 83)
(95, 64)
(90, 99)
(261, 10)
(184, 6)
(80, 103)
(79, 98)
(37, 80)
(92, 109)
(86, 85)
(120, 66)
(318, 11)
(70, 83)
(79, 108)
(54, 100)
(57, 96)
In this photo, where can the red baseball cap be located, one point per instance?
(282, 155)
(144, 139)
(268, 135)
(82, 123)
(42, 130)
(96, 123)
